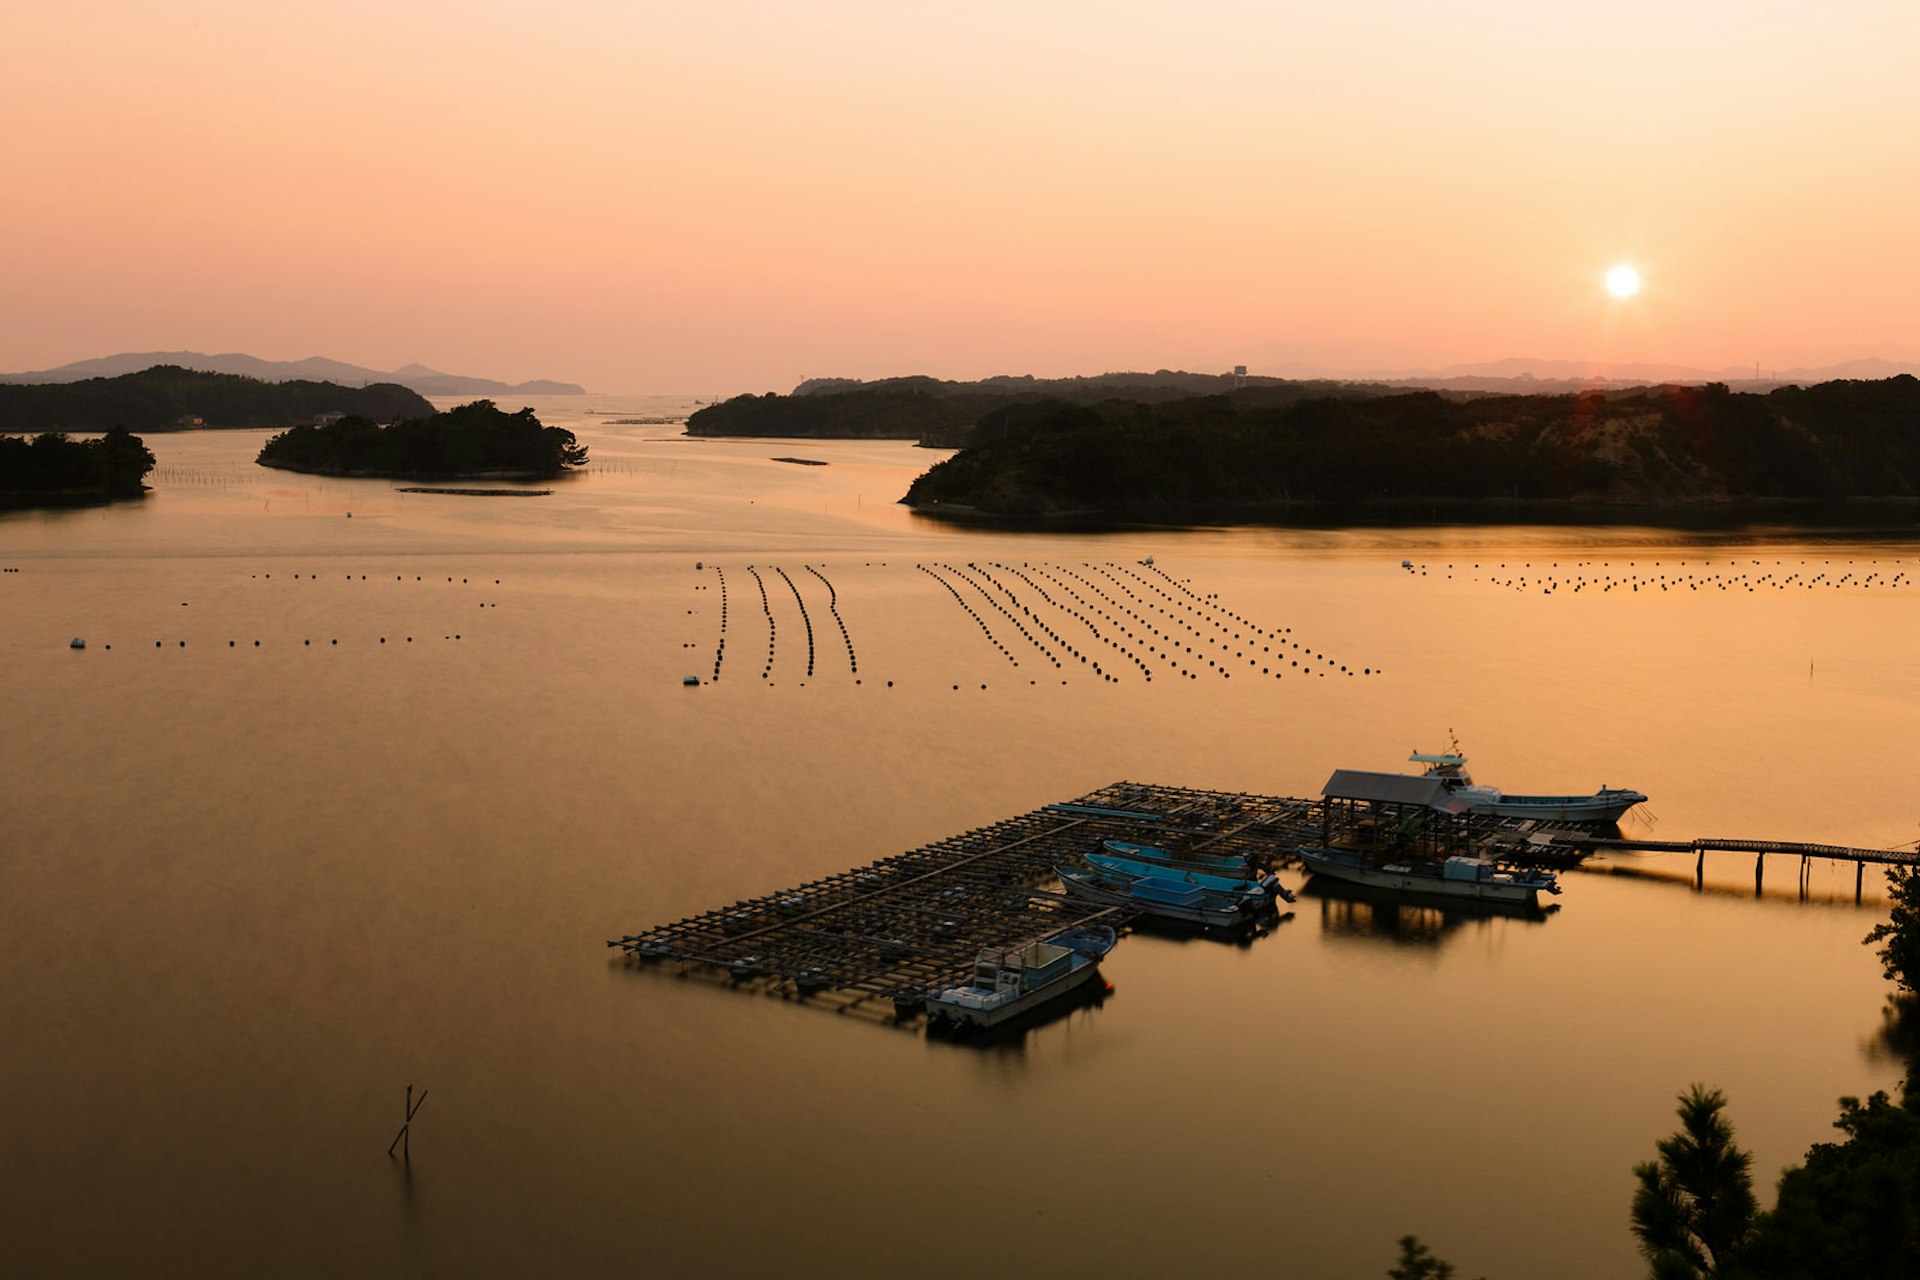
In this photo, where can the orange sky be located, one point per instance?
(716, 197)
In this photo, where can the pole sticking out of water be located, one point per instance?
(401, 1139)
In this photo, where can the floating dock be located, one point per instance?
(895, 929)
(883, 935)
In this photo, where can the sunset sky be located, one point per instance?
(713, 197)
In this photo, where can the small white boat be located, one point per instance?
(1007, 983)
(1455, 877)
(1608, 804)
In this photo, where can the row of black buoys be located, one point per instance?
(805, 621)
(1738, 577)
(833, 607)
(307, 643)
(772, 630)
(1018, 625)
(720, 650)
(971, 612)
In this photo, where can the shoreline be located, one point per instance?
(1696, 513)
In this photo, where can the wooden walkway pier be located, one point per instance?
(1860, 858)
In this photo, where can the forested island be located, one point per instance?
(1424, 455)
(169, 398)
(52, 470)
(942, 414)
(477, 439)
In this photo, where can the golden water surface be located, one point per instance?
(349, 787)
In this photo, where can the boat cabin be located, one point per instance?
(1394, 814)
(1012, 972)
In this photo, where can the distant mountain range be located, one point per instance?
(415, 377)
(1524, 373)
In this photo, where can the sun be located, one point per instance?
(1623, 281)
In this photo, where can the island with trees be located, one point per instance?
(52, 470)
(1427, 456)
(477, 439)
(942, 414)
(169, 398)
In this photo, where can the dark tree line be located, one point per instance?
(167, 397)
(474, 439)
(54, 467)
(1834, 441)
(947, 414)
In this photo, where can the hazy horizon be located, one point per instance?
(723, 197)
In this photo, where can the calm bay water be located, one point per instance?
(248, 893)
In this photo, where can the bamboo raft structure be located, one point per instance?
(900, 927)
(885, 934)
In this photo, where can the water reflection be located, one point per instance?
(1897, 1038)
(1241, 938)
(1358, 911)
(1786, 868)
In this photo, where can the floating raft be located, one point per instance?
(895, 929)
(883, 935)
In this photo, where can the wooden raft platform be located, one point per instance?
(900, 927)
(895, 929)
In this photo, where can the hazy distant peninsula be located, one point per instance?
(169, 398)
(942, 414)
(477, 439)
(1423, 455)
(415, 377)
(53, 471)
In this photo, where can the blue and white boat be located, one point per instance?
(1215, 864)
(1165, 897)
(1008, 982)
(1116, 867)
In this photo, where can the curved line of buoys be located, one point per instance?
(833, 607)
(772, 631)
(805, 621)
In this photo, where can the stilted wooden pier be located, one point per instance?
(1860, 858)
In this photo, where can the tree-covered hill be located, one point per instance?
(52, 470)
(472, 440)
(168, 398)
(1213, 457)
(942, 413)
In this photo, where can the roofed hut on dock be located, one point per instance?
(1393, 814)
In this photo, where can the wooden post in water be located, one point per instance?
(1859, 870)
(401, 1139)
(1759, 867)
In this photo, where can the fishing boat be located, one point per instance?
(1165, 898)
(1009, 982)
(1117, 867)
(1216, 864)
(1608, 804)
(1458, 876)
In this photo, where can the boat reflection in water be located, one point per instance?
(1354, 910)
